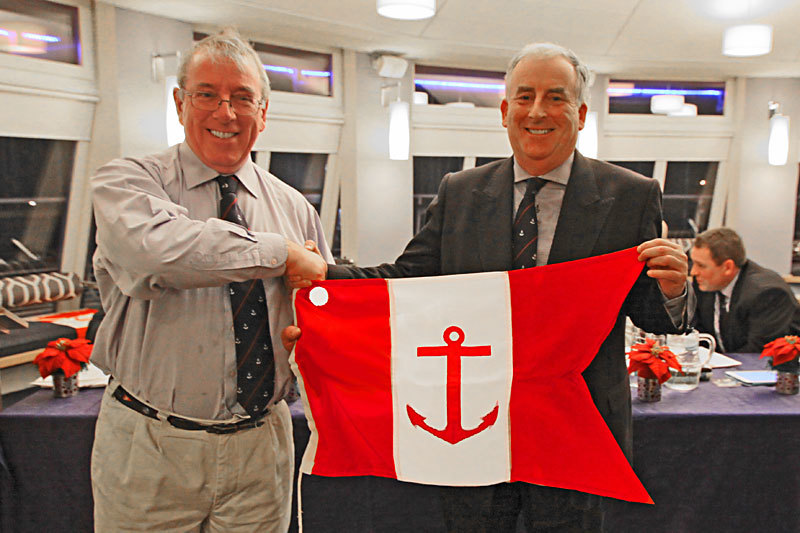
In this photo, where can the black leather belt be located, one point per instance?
(129, 401)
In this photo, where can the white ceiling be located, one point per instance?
(678, 38)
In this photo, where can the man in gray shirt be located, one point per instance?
(193, 433)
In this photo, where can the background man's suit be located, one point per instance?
(605, 209)
(762, 308)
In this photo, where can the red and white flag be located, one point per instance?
(468, 380)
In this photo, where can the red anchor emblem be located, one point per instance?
(454, 351)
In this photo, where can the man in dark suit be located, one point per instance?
(585, 208)
(741, 303)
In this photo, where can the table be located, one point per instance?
(713, 459)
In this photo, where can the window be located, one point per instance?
(34, 187)
(428, 173)
(688, 190)
(796, 242)
(471, 88)
(306, 173)
(40, 29)
(292, 70)
(645, 168)
(480, 161)
(633, 96)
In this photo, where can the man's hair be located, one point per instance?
(227, 45)
(583, 74)
(724, 244)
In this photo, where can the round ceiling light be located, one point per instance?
(686, 110)
(407, 9)
(747, 40)
(661, 104)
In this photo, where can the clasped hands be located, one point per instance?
(304, 264)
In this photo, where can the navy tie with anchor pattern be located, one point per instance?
(254, 356)
(526, 229)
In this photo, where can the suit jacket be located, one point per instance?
(605, 209)
(762, 308)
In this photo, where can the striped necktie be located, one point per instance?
(254, 356)
(722, 319)
(526, 229)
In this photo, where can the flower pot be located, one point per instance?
(648, 390)
(787, 383)
(64, 387)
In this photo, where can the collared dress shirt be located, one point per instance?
(548, 207)
(728, 293)
(163, 262)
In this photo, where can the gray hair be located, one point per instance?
(547, 50)
(226, 45)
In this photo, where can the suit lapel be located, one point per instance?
(725, 329)
(493, 201)
(583, 214)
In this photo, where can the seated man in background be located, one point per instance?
(741, 303)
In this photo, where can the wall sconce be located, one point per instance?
(662, 104)
(778, 136)
(399, 122)
(587, 137)
(747, 40)
(157, 68)
(389, 66)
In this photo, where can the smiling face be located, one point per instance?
(220, 138)
(541, 113)
(709, 275)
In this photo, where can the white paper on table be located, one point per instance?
(89, 377)
(722, 361)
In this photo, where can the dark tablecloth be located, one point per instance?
(714, 459)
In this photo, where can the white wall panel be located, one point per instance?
(41, 114)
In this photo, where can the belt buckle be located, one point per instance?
(223, 429)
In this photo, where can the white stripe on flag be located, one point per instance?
(420, 382)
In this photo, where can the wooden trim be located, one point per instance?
(791, 279)
(19, 358)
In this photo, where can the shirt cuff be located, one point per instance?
(273, 250)
(676, 307)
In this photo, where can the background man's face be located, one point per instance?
(542, 114)
(221, 139)
(709, 275)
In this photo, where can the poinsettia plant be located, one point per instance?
(65, 356)
(651, 360)
(782, 353)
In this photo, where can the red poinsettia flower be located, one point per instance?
(66, 355)
(651, 360)
(782, 350)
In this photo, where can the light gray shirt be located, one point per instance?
(548, 207)
(163, 262)
(727, 292)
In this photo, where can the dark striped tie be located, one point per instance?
(723, 319)
(254, 357)
(526, 229)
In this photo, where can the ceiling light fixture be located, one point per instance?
(662, 104)
(407, 9)
(747, 40)
(686, 110)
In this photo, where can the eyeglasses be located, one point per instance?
(242, 104)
